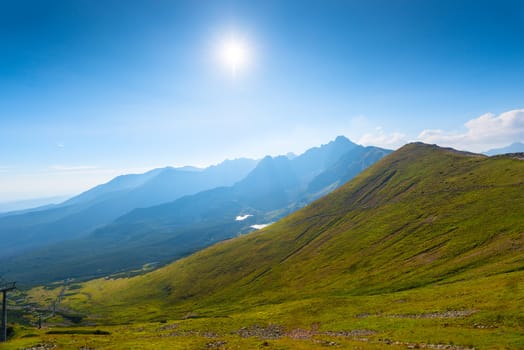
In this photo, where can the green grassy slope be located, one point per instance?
(425, 245)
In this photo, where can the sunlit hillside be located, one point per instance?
(426, 246)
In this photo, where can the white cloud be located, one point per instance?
(242, 217)
(381, 139)
(482, 133)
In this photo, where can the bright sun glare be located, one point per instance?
(234, 54)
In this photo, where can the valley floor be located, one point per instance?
(484, 313)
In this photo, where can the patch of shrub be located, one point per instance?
(10, 332)
(79, 331)
(73, 318)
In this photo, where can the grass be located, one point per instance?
(494, 323)
(425, 247)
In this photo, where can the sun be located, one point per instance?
(234, 54)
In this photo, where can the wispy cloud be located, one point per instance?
(482, 133)
(242, 217)
(73, 167)
(60, 145)
(380, 138)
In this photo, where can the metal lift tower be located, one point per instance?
(4, 288)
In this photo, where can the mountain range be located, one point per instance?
(116, 227)
(81, 214)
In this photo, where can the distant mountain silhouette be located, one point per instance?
(102, 204)
(346, 168)
(165, 232)
(513, 148)
(27, 205)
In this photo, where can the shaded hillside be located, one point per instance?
(419, 217)
(163, 233)
(346, 168)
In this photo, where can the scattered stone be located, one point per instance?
(426, 346)
(484, 326)
(44, 346)
(519, 155)
(362, 339)
(208, 334)
(168, 327)
(351, 333)
(190, 315)
(216, 344)
(300, 333)
(270, 332)
(327, 343)
(446, 314)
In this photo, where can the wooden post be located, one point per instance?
(3, 336)
(4, 289)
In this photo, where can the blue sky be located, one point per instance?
(92, 89)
